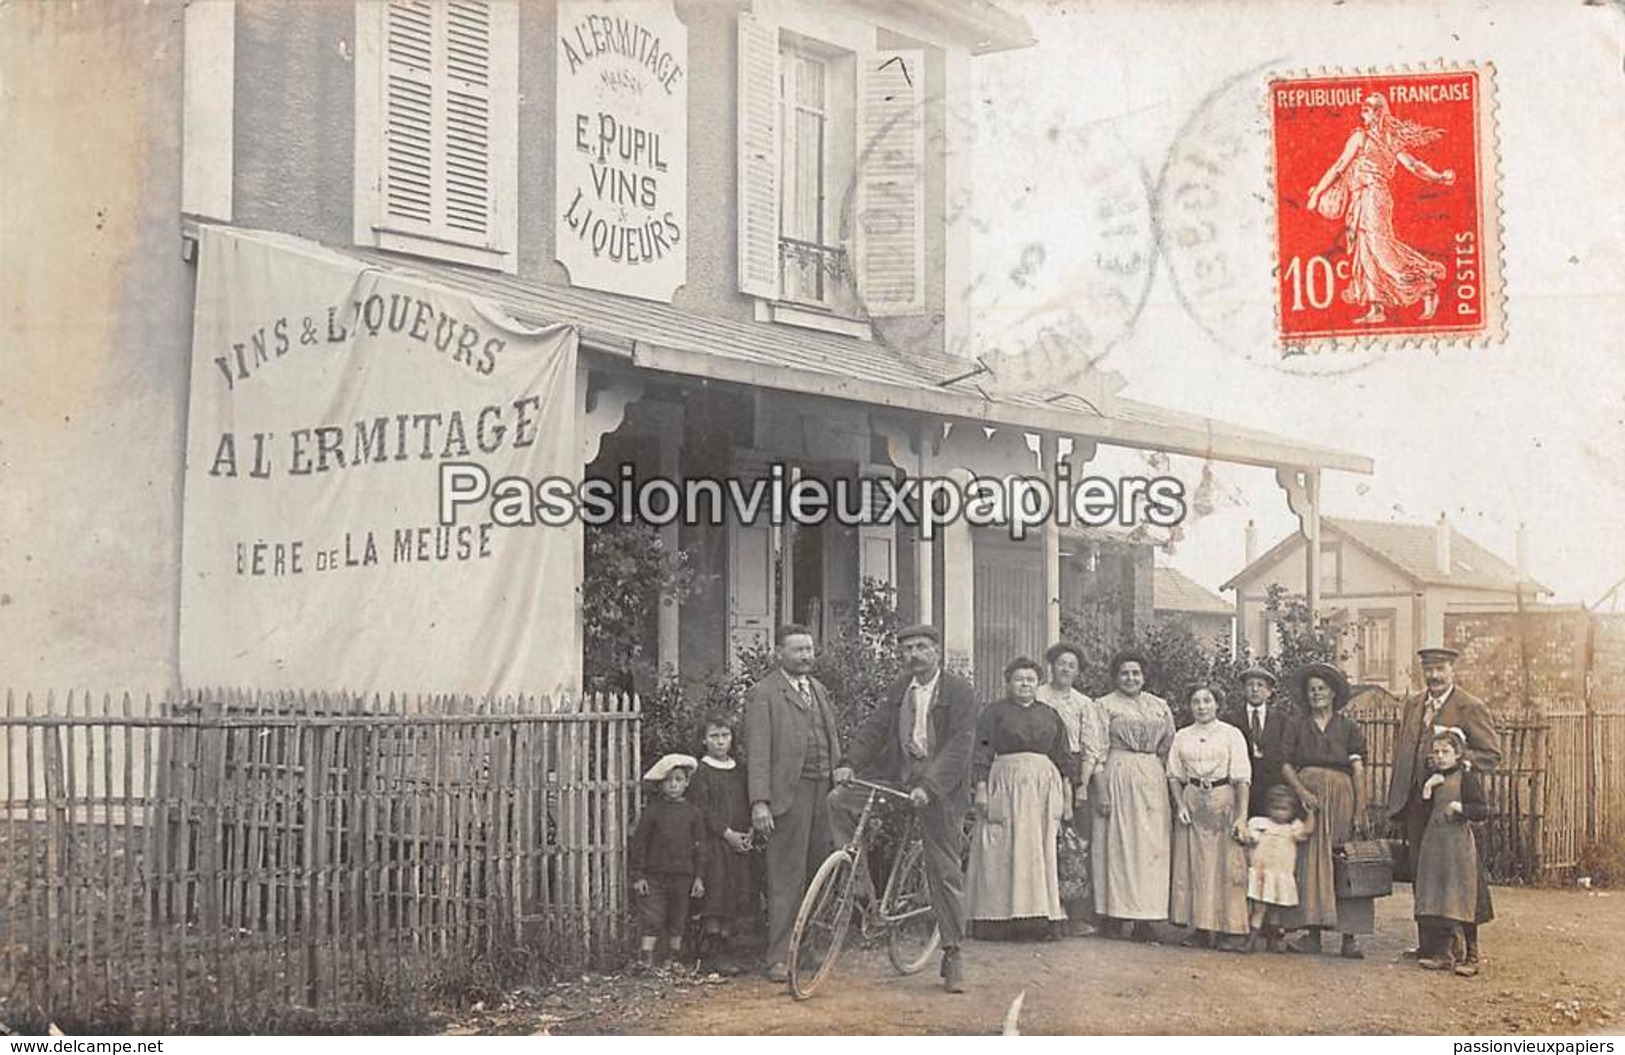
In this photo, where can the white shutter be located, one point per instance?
(891, 182)
(468, 117)
(409, 108)
(437, 177)
(758, 156)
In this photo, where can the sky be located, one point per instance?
(1072, 140)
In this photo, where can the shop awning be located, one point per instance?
(792, 359)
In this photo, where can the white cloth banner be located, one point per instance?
(325, 397)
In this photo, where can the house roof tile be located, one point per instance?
(1173, 591)
(1410, 548)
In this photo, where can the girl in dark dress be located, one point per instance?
(732, 897)
(1451, 887)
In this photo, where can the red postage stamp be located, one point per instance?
(1385, 207)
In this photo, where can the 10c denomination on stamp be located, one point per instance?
(1386, 207)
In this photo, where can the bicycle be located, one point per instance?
(904, 915)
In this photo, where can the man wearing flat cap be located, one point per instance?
(1443, 705)
(792, 749)
(1261, 724)
(920, 738)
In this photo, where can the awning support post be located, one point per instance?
(1302, 487)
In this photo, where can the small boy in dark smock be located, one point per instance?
(666, 859)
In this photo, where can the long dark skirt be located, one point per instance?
(1318, 903)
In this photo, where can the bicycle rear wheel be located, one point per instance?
(820, 928)
(911, 932)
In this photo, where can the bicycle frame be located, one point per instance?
(875, 919)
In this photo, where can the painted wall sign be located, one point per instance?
(622, 139)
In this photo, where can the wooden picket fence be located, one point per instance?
(212, 861)
(1557, 788)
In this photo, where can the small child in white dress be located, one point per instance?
(1272, 864)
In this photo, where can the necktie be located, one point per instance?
(804, 688)
(1258, 730)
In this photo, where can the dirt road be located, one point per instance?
(1552, 965)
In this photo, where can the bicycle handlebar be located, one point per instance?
(882, 788)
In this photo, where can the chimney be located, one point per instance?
(1441, 545)
(1523, 553)
(1252, 543)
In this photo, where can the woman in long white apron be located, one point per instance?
(1020, 773)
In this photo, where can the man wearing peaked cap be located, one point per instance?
(920, 737)
(1442, 704)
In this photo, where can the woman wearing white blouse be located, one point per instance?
(1209, 775)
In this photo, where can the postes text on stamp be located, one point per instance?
(1385, 207)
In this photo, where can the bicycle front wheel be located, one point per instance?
(821, 924)
(911, 922)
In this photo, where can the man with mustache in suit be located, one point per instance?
(792, 749)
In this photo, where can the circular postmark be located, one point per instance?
(1045, 292)
(1214, 229)
(1052, 291)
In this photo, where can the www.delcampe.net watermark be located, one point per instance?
(783, 495)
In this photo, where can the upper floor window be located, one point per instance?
(1331, 568)
(831, 169)
(1377, 645)
(436, 129)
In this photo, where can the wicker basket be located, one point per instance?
(1363, 869)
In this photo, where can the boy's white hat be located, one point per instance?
(668, 763)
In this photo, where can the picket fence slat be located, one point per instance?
(1540, 793)
(214, 859)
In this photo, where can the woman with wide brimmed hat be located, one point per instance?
(1324, 752)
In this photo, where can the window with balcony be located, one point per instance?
(831, 172)
(436, 161)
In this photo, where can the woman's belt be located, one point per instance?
(1206, 785)
(1346, 770)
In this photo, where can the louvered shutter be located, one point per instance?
(468, 118)
(891, 182)
(409, 125)
(758, 97)
(438, 120)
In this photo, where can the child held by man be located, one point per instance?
(666, 859)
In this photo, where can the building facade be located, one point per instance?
(1387, 588)
(744, 210)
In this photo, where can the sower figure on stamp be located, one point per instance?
(1262, 724)
(1443, 706)
(921, 737)
(792, 751)
(1384, 271)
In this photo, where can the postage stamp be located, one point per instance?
(1386, 208)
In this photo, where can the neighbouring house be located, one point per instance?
(1176, 597)
(777, 284)
(1388, 586)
